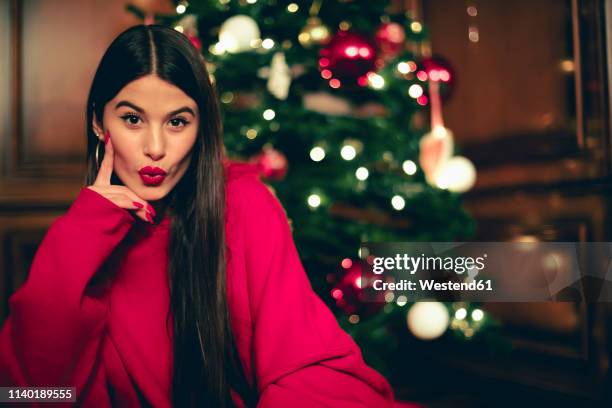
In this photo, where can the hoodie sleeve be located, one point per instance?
(301, 356)
(56, 321)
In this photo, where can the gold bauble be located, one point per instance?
(315, 32)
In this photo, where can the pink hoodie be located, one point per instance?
(108, 338)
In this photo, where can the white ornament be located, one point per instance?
(238, 32)
(279, 78)
(457, 175)
(436, 148)
(428, 320)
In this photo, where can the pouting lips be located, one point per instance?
(153, 171)
(151, 179)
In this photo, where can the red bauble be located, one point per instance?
(195, 40)
(438, 69)
(272, 163)
(347, 58)
(390, 38)
(353, 291)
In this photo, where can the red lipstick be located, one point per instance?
(152, 176)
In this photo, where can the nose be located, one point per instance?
(154, 145)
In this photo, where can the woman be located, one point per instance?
(173, 279)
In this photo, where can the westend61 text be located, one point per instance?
(430, 284)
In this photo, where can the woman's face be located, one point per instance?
(153, 126)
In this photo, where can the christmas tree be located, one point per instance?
(338, 102)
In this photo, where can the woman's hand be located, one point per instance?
(120, 195)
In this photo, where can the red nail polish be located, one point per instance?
(106, 136)
(137, 204)
(151, 209)
(149, 218)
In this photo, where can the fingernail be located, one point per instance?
(106, 136)
(151, 209)
(149, 218)
(137, 204)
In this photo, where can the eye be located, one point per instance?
(131, 118)
(179, 122)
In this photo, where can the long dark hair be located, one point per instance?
(206, 363)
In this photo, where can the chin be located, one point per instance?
(154, 193)
(150, 193)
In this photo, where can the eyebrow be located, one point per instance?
(139, 109)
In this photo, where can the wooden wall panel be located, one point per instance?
(510, 81)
